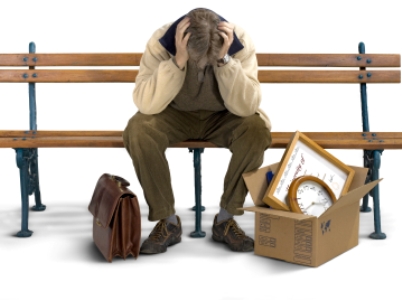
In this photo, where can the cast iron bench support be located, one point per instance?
(372, 160)
(27, 162)
(197, 187)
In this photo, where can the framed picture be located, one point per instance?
(303, 156)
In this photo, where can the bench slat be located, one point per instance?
(71, 59)
(264, 76)
(276, 135)
(329, 60)
(266, 59)
(61, 133)
(72, 76)
(313, 76)
(113, 139)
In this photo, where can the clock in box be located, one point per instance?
(303, 239)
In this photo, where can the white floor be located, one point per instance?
(60, 260)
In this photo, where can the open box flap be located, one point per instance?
(351, 197)
(359, 178)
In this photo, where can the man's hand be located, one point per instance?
(181, 42)
(226, 31)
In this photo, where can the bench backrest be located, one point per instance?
(273, 68)
(34, 68)
(98, 67)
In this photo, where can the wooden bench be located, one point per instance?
(350, 68)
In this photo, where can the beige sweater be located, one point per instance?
(159, 80)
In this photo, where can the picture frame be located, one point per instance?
(303, 156)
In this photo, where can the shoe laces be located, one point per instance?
(159, 230)
(231, 223)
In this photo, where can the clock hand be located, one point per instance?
(315, 203)
(320, 203)
(312, 203)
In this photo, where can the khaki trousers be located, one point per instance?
(146, 138)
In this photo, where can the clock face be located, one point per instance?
(310, 195)
(313, 199)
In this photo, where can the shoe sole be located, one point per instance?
(233, 248)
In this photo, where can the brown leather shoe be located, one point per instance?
(229, 232)
(163, 235)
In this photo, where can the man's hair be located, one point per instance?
(205, 41)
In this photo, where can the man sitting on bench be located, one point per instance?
(197, 80)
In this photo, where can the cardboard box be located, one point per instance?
(303, 239)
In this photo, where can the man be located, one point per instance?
(197, 80)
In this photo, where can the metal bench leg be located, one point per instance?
(33, 162)
(375, 193)
(368, 163)
(367, 155)
(27, 162)
(23, 156)
(197, 184)
(34, 182)
(365, 207)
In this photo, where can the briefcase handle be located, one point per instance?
(120, 180)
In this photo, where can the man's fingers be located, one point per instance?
(186, 37)
(183, 22)
(226, 27)
(182, 26)
(226, 31)
(181, 42)
(224, 35)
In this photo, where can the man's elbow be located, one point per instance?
(247, 113)
(146, 107)
(244, 109)
(149, 110)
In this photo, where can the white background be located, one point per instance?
(60, 261)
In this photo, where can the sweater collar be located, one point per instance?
(168, 39)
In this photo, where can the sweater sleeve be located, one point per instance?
(238, 81)
(159, 80)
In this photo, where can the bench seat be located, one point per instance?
(113, 139)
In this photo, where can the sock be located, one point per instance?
(172, 219)
(223, 215)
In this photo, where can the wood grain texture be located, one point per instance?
(328, 60)
(113, 139)
(264, 59)
(264, 76)
(71, 59)
(330, 76)
(68, 76)
(82, 69)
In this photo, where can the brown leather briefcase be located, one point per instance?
(117, 218)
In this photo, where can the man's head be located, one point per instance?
(205, 41)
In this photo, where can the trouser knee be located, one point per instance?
(140, 133)
(253, 134)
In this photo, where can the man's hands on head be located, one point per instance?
(226, 31)
(181, 42)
